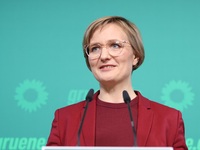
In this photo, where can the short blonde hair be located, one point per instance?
(128, 27)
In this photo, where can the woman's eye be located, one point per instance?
(115, 45)
(94, 49)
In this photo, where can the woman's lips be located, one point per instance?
(106, 67)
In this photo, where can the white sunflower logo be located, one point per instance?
(181, 87)
(24, 102)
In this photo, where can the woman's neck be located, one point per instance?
(113, 94)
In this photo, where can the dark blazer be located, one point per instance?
(158, 125)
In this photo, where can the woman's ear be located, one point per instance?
(135, 60)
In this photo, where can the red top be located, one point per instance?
(113, 124)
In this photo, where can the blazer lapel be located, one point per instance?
(145, 120)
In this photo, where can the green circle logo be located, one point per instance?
(184, 90)
(40, 95)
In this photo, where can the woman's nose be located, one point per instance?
(105, 53)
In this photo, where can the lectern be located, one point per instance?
(103, 148)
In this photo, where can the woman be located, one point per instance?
(113, 49)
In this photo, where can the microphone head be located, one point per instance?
(89, 95)
(126, 97)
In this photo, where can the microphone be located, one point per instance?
(88, 98)
(127, 100)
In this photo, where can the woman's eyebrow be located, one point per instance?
(111, 40)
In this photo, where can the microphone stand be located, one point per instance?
(127, 100)
(88, 99)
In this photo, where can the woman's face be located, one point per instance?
(108, 69)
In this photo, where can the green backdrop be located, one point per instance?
(42, 67)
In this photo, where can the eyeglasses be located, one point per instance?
(114, 48)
